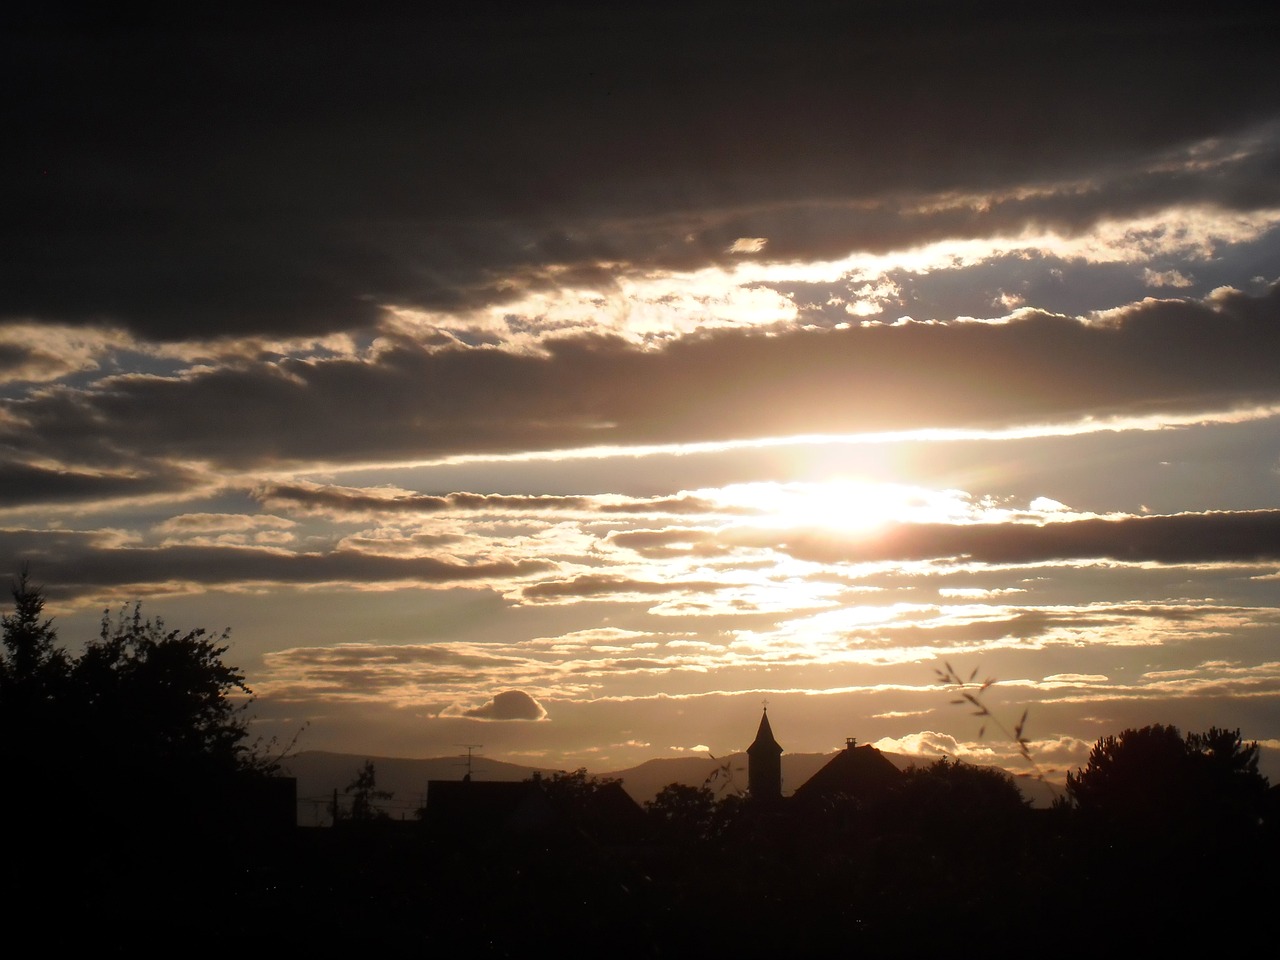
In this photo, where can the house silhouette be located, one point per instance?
(858, 773)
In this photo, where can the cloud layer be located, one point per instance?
(620, 369)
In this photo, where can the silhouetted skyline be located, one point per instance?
(571, 379)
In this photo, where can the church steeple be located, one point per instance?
(764, 764)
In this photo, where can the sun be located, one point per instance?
(842, 505)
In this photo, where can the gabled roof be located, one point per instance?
(858, 772)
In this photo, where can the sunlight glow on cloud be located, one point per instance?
(1090, 425)
(39, 353)
(508, 705)
(738, 402)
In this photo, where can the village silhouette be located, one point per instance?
(138, 817)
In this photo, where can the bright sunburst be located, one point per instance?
(845, 505)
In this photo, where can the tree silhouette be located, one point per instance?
(151, 721)
(128, 773)
(948, 796)
(684, 814)
(34, 674)
(574, 791)
(1148, 788)
(31, 663)
(161, 699)
(364, 792)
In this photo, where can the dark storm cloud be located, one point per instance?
(80, 563)
(244, 169)
(1183, 538)
(1154, 357)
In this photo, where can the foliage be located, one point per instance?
(958, 806)
(969, 692)
(161, 697)
(721, 779)
(146, 715)
(1153, 780)
(34, 674)
(953, 787)
(685, 814)
(32, 665)
(364, 791)
(574, 790)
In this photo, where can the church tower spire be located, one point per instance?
(764, 764)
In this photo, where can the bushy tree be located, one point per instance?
(955, 822)
(1155, 784)
(142, 722)
(684, 814)
(573, 791)
(948, 791)
(161, 698)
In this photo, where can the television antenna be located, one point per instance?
(469, 747)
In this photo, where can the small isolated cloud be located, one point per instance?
(697, 748)
(509, 705)
(1165, 278)
(748, 245)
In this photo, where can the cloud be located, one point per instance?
(1249, 536)
(189, 523)
(1246, 536)
(348, 503)
(23, 484)
(1153, 358)
(1164, 278)
(40, 352)
(926, 743)
(283, 196)
(606, 587)
(339, 502)
(78, 563)
(509, 705)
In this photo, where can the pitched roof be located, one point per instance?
(859, 772)
(764, 742)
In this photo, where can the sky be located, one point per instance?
(568, 382)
